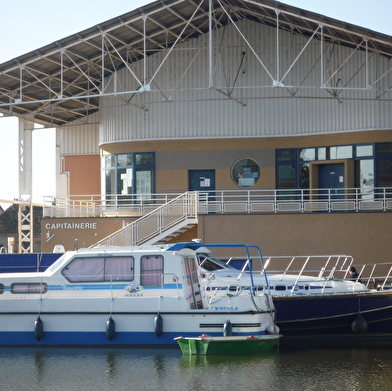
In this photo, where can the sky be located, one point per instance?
(33, 24)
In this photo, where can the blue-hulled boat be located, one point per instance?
(129, 296)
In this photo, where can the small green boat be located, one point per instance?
(233, 345)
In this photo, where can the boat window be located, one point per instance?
(151, 270)
(119, 269)
(94, 269)
(36, 287)
(1, 289)
(280, 287)
(210, 263)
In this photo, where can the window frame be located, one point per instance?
(110, 167)
(251, 174)
(43, 288)
(102, 276)
(150, 272)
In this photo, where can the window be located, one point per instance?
(151, 270)
(124, 181)
(384, 173)
(1, 288)
(365, 177)
(124, 160)
(287, 176)
(36, 287)
(322, 153)
(373, 165)
(128, 174)
(364, 150)
(285, 155)
(384, 150)
(92, 269)
(342, 152)
(307, 154)
(119, 269)
(304, 176)
(245, 173)
(384, 164)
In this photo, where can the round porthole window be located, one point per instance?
(245, 172)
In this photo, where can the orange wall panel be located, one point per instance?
(84, 174)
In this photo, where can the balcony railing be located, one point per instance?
(227, 201)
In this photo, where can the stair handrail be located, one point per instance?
(190, 210)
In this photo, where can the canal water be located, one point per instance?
(301, 366)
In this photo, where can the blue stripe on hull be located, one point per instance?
(96, 338)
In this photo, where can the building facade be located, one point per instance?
(256, 100)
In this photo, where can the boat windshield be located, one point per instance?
(210, 263)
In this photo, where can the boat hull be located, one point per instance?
(335, 314)
(228, 346)
(132, 329)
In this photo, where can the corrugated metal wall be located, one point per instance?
(80, 137)
(303, 109)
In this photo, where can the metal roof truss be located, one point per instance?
(63, 81)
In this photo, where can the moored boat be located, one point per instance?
(228, 346)
(128, 296)
(315, 295)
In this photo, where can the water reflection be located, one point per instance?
(110, 366)
(301, 367)
(39, 363)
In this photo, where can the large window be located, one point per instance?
(93, 269)
(128, 174)
(373, 165)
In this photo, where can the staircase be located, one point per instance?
(159, 226)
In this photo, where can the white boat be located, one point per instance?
(129, 296)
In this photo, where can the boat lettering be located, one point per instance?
(225, 308)
(72, 288)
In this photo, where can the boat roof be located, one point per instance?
(197, 246)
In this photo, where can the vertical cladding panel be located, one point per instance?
(383, 108)
(183, 108)
(80, 138)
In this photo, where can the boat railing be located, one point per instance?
(376, 276)
(373, 276)
(326, 268)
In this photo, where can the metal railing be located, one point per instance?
(325, 267)
(295, 201)
(373, 275)
(175, 213)
(226, 201)
(112, 205)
